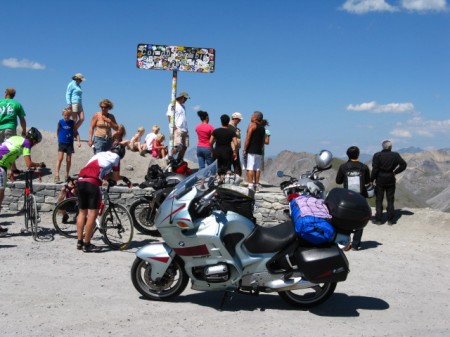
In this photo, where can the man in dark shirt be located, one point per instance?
(385, 165)
(355, 176)
(253, 148)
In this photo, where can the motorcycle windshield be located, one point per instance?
(201, 180)
(303, 168)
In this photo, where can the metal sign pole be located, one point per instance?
(172, 118)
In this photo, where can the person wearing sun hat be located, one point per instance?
(235, 120)
(74, 99)
(179, 124)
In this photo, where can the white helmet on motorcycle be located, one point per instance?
(370, 191)
(323, 159)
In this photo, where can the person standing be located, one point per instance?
(386, 164)
(74, 99)
(253, 147)
(103, 165)
(204, 131)
(355, 176)
(265, 123)
(100, 134)
(10, 110)
(66, 134)
(223, 151)
(10, 150)
(235, 120)
(179, 123)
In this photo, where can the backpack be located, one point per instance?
(311, 222)
(154, 172)
(354, 180)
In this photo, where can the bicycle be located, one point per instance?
(114, 221)
(32, 217)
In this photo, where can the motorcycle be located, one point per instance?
(211, 238)
(162, 182)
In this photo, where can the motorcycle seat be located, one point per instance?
(270, 239)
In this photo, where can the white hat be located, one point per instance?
(79, 76)
(183, 94)
(236, 115)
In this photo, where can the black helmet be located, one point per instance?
(34, 134)
(119, 149)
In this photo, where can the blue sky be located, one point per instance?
(326, 74)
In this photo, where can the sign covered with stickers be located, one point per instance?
(176, 58)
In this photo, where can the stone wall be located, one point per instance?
(269, 205)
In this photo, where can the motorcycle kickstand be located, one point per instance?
(226, 295)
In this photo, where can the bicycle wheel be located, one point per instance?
(65, 217)
(116, 225)
(143, 217)
(33, 215)
(26, 213)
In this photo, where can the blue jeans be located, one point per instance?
(204, 156)
(102, 144)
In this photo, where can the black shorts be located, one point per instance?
(89, 196)
(66, 148)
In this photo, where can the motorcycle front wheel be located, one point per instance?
(310, 297)
(169, 286)
(144, 217)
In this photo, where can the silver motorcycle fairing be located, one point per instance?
(159, 255)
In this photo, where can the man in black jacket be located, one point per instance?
(355, 176)
(385, 165)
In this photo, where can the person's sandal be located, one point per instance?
(57, 180)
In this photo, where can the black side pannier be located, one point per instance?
(237, 199)
(154, 177)
(322, 265)
(349, 209)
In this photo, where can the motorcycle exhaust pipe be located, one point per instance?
(293, 283)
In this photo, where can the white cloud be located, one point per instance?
(424, 5)
(401, 133)
(374, 107)
(418, 126)
(24, 63)
(365, 6)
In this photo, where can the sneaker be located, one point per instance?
(80, 245)
(65, 218)
(257, 187)
(3, 231)
(90, 248)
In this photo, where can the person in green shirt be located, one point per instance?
(10, 150)
(10, 110)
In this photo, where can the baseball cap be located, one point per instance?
(236, 115)
(184, 94)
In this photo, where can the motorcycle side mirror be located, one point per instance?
(280, 174)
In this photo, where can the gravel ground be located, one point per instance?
(398, 286)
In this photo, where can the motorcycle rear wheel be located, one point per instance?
(139, 211)
(310, 297)
(169, 286)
